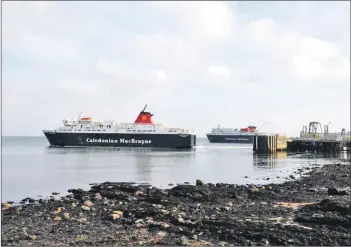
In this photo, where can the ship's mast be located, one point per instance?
(144, 108)
(80, 115)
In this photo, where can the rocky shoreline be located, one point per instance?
(313, 210)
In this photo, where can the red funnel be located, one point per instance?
(144, 117)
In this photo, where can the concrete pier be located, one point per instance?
(304, 145)
(314, 139)
(273, 144)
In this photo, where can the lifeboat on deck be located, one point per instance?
(252, 128)
(85, 119)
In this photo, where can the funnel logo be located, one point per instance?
(143, 118)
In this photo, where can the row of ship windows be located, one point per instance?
(105, 130)
(110, 126)
(127, 130)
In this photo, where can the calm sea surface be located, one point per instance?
(30, 168)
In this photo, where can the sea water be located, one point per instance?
(30, 168)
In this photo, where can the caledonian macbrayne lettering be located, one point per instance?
(133, 141)
(236, 139)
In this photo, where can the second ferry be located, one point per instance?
(230, 135)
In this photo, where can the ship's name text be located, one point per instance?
(236, 139)
(133, 141)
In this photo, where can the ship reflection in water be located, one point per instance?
(60, 150)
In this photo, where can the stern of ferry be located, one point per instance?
(185, 141)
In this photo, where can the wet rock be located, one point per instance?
(88, 203)
(97, 197)
(31, 237)
(292, 177)
(118, 212)
(199, 182)
(184, 240)
(164, 212)
(130, 214)
(137, 193)
(161, 234)
(53, 198)
(253, 190)
(57, 218)
(312, 190)
(335, 191)
(66, 216)
(58, 210)
(85, 208)
(139, 221)
(180, 220)
(42, 201)
(5, 206)
(115, 216)
(164, 225)
(82, 220)
(339, 206)
(139, 225)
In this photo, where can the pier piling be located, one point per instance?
(269, 143)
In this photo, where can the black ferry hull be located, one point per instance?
(246, 139)
(64, 139)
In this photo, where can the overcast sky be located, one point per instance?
(196, 64)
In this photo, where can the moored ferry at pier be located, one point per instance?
(86, 131)
(230, 135)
